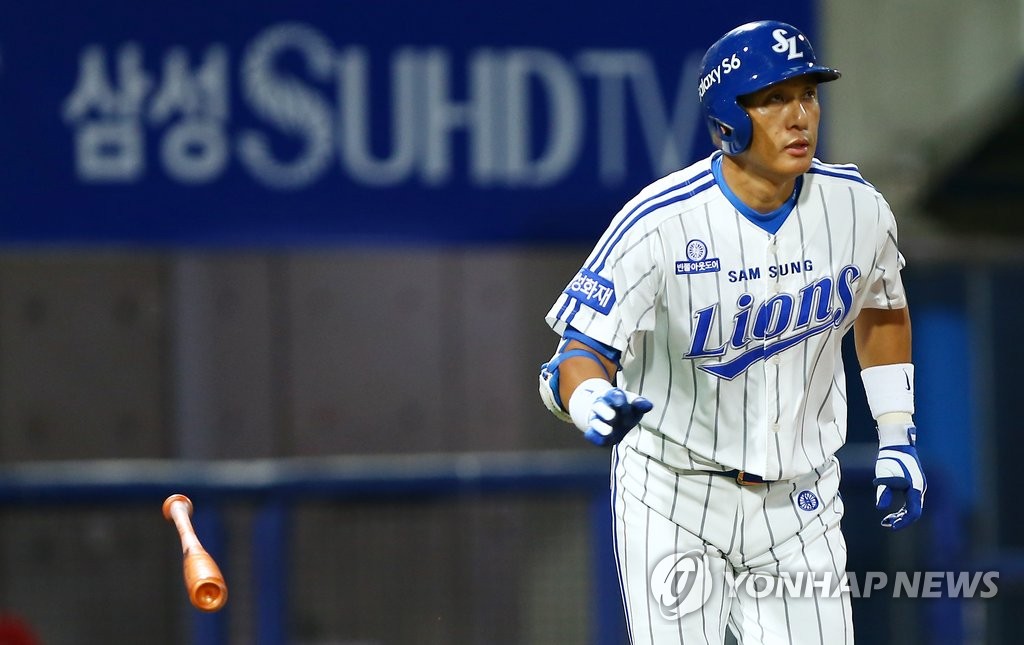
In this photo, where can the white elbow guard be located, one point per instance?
(549, 395)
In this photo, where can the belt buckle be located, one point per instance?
(744, 479)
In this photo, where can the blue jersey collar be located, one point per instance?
(770, 222)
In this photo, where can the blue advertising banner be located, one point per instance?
(210, 123)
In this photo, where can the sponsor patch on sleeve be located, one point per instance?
(592, 290)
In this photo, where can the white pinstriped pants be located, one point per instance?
(767, 530)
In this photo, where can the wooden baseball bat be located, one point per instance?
(203, 580)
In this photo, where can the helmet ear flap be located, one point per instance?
(720, 132)
(734, 137)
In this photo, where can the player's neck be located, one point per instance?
(760, 191)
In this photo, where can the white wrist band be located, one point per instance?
(581, 402)
(893, 429)
(889, 388)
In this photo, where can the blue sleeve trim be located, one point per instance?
(607, 351)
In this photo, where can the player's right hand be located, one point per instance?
(898, 473)
(606, 413)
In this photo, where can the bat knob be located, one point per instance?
(209, 596)
(169, 502)
(204, 581)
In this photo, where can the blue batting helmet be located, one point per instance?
(745, 60)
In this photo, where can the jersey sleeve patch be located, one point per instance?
(592, 290)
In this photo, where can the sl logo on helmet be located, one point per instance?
(782, 43)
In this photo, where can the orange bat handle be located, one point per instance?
(205, 584)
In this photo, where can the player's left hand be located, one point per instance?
(898, 475)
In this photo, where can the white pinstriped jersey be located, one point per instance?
(734, 332)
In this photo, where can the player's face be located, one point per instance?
(785, 135)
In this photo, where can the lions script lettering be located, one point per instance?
(761, 330)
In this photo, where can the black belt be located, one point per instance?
(742, 477)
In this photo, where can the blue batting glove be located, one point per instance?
(898, 473)
(606, 413)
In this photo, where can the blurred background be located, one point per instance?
(293, 259)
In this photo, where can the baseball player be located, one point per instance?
(702, 338)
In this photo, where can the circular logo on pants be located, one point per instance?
(807, 500)
(681, 583)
